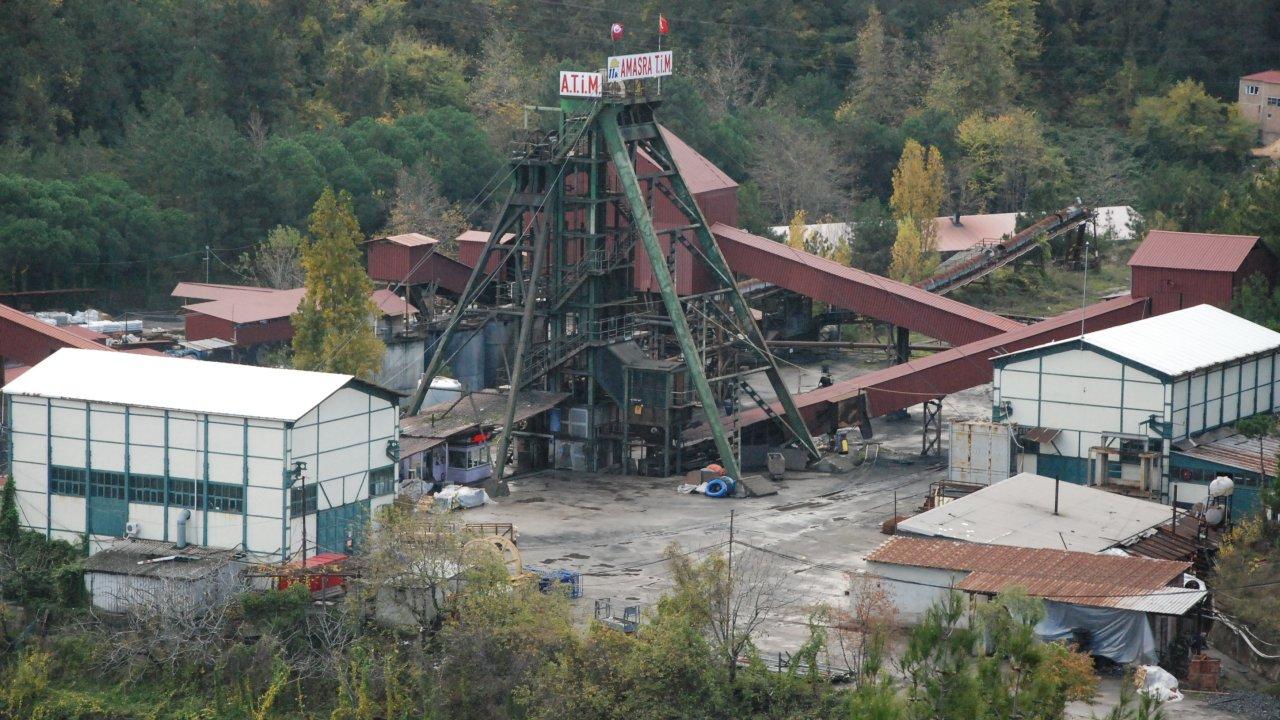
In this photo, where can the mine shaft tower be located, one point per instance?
(562, 254)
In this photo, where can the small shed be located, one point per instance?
(135, 573)
(1111, 599)
(1181, 269)
(414, 259)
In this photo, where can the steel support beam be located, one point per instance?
(522, 347)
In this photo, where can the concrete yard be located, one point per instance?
(614, 530)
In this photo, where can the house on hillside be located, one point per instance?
(1259, 102)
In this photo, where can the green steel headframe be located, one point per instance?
(609, 131)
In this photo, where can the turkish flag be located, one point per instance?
(663, 26)
(615, 31)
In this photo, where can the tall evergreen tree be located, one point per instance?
(9, 512)
(333, 327)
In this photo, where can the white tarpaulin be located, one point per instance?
(459, 496)
(1120, 635)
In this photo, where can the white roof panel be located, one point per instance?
(185, 385)
(1019, 512)
(1180, 342)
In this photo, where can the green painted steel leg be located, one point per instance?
(522, 349)
(643, 224)
(711, 254)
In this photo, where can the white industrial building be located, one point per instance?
(109, 444)
(1106, 407)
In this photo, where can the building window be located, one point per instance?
(297, 505)
(66, 480)
(382, 481)
(466, 458)
(226, 498)
(107, 484)
(1251, 89)
(147, 489)
(182, 493)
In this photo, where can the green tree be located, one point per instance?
(1007, 162)
(918, 183)
(972, 68)
(1255, 301)
(797, 231)
(333, 327)
(912, 259)
(9, 523)
(1187, 124)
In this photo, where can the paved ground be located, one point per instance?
(614, 529)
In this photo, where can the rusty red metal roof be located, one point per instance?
(1237, 451)
(1078, 578)
(1193, 251)
(216, 291)
(61, 335)
(1266, 76)
(392, 304)
(857, 290)
(700, 174)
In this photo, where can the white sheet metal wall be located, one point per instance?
(980, 452)
(913, 590)
(1221, 395)
(1082, 393)
(341, 441)
(352, 433)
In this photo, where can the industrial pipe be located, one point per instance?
(183, 517)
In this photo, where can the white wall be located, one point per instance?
(1221, 395)
(1084, 394)
(913, 590)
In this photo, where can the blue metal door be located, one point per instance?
(108, 507)
(341, 529)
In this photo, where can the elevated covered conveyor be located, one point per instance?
(857, 290)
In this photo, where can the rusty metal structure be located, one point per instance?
(641, 365)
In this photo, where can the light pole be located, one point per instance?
(298, 474)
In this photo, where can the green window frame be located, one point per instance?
(300, 504)
(107, 484)
(67, 480)
(147, 489)
(225, 498)
(382, 481)
(182, 493)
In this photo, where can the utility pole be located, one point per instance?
(206, 264)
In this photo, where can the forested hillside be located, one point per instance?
(136, 132)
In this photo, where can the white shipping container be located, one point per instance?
(981, 452)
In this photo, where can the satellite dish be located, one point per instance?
(1221, 486)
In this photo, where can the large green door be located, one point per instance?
(108, 506)
(338, 524)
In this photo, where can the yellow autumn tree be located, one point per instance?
(796, 230)
(919, 182)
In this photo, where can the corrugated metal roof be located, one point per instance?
(1078, 578)
(1237, 451)
(434, 424)
(251, 304)
(407, 239)
(131, 557)
(973, 230)
(392, 304)
(1267, 76)
(1019, 512)
(216, 291)
(59, 334)
(483, 236)
(857, 290)
(168, 383)
(700, 174)
(1180, 342)
(1193, 251)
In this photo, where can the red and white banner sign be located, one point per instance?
(637, 67)
(576, 83)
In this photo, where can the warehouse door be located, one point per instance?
(341, 529)
(108, 508)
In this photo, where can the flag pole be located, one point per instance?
(659, 50)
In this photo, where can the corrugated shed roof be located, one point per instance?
(1078, 578)
(60, 334)
(1237, 451)
(169, 383)
(438, 422)
(1019, 512)
(973, 230)
(482, 236)
(217, 291)
(251, 306)
(123, 557)
(392, 304)
(407, 239)
(1180, 342)
(1267, 76)
(1193, 251)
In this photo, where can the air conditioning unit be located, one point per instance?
(132, 528)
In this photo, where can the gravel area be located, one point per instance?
(1252, 705)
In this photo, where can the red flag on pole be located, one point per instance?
(663, 26)
(615, 32)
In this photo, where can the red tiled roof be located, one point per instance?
(1193, 251)
(1267, 76)
(1076, 577)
